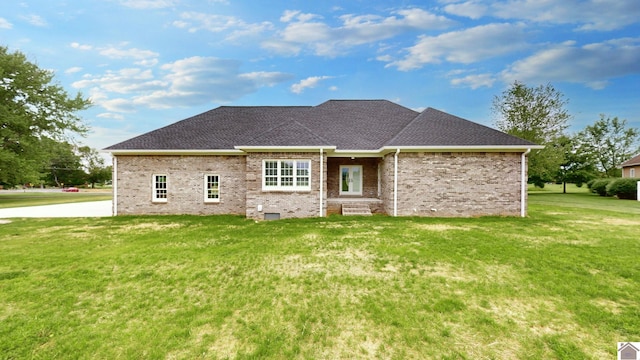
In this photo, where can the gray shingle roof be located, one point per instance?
(345, 124)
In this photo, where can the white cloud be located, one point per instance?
(5, 24)
(195, 21)
(307, 83)
(465, 46)
(73, 70)
(138, 54)
(475, 81)
(124, 81)
(187, 82)
(35, 20)
(600, 15)
(592, 64)
(79, 46)
(307, 31)
(110, 116)
(148, 4)
(470, 9)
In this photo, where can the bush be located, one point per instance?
(599, 186)
(624, 188)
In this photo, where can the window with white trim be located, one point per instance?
(159, 188)
(211, 188)
(286, 175)
(632, 172)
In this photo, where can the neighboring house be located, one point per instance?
(631, 167)
(304, 161)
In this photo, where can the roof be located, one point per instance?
(634, 161)
(348, 125)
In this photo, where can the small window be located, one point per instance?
(632, 172)
(286, 175)
(160, 188)
(211, 188)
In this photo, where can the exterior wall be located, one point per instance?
(454, 184)
(626, 171)
(289, 204)
(185, 184)
(369, 175)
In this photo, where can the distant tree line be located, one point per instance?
(538, 114)
(38, 128)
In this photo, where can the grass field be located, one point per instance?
(560, 284)
(9, 199)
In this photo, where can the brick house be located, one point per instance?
(304, 161)
(631, 167)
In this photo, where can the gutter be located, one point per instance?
(395, 182)
(321, 184)
(114, 185)
(523, 184)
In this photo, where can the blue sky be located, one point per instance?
(148, 63)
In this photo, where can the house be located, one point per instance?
(627, 351)
(303, 161)
(631, 167)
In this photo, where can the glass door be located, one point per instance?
(351, 180)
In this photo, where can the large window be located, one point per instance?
(211, 188)
(286, 175)
(159, 188)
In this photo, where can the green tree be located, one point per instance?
(96, 171)
(64, 165)
(578, 166)
(536, 114)
(610, 142)
(32, 109)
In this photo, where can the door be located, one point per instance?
(351, 180)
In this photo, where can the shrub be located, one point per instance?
(600, 186)
(624, 188)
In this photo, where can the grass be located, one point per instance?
(560, 284)
(9, 199)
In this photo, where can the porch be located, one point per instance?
(353, 186)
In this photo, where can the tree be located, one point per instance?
(578, 166)
(538, 115)
(32, 109)
(610, 143)
(94, 166)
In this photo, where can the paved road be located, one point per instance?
(81, 209)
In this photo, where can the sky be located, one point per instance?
(148, 63)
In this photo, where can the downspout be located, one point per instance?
(321, 184)
(395, 182)
(114, 182)
(523, 184)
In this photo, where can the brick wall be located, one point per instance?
(185, 184)
(453, 184)
(297, 204)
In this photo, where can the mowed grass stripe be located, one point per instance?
(561, 284)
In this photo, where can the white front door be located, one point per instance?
(351, 180)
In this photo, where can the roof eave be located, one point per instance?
(195, 152)
(245, 149)
(461, 148)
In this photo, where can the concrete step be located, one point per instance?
(356, 209)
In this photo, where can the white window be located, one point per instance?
(211, 188)
(632, 172)
(159, 188)
(286, 175)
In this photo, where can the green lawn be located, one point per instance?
(563, 283)
(9, 199)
